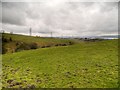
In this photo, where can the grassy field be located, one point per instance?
(29, 39)
(82, 65)
(13, 41)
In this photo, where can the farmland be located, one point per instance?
(81, 65)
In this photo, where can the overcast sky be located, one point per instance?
(61, 18)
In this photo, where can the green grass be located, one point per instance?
(29, 39)
(40, 41)
(83, 65)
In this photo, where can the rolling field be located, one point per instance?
(29, 39)
(13, 42)
(82, 65)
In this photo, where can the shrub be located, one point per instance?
(4, 50)
(70, 43)
(63, 44)
(43, 47)
(22, 46)
(4, 39)
(17, 43)
(47, 46)
(10, 39)
(33, 46)
(56, 45)
(25, 46)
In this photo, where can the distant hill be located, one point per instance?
(14, 42)
(93, 37)
(110, 36)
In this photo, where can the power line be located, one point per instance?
(30, 31)
(51, 33)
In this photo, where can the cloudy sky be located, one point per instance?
(64, 18)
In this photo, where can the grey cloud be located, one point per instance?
(106, 7)
(86, 18)
(13, 13)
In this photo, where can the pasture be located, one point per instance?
(81, 65)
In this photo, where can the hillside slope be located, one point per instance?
(14, 43)
(83, 65)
